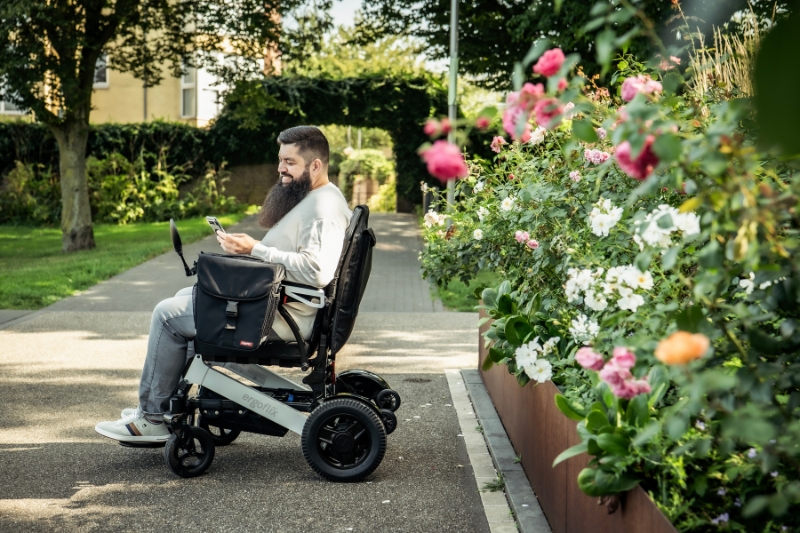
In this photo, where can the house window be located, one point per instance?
(7, 106)
(101, 72)
(188, 93)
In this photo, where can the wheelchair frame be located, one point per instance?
(343, 409)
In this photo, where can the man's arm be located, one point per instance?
(320, 245)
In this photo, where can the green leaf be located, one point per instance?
(621, 15)
(587, 483)
(691, 204)
(517, 330)
(584, 130)
(518, 76)
(571, 452)
(643, 259)
(487, 364)
(644, 436)
(609, 483)
(597, 423)
(557, 5)
(755, 506)
(613, 444)
(672, 82)
(777, 106)
(570, 409)
(689, 319)
(638, 412)
(523, 379)
(496, 354)
(669, 259)
(605, 47)
(489, 297)
(668, 147)
(536, 50)
(505, 305)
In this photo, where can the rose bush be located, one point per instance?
(662, 295)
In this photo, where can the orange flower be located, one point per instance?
(682, 347)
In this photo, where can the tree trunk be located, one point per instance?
(76, 215)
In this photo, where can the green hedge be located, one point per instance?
(399, 106)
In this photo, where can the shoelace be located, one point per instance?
(130, 418)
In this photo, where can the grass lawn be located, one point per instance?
(458, 297)
(35, 272)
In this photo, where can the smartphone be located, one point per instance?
(215, 225)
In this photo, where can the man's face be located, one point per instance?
(291, 165)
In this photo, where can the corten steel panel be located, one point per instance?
(539, 432)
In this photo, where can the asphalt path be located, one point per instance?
(66, 367)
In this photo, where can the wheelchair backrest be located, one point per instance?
(352, 274)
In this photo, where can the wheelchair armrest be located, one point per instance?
(305, 294)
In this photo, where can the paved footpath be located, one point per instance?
(78, 361)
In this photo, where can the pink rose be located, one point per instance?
(532, 244)
(614, 374)
(521, 236)
(445, 161)
(497, 144)
(511, 176)
(596, 157)
(482, 123)
(631, 388)
(623, 357)
(601, 133)
(432, 127)
(639, 84)
(446, 127)
(550, 62)
(589, 359)
(562, 84)
(546, 110)
(575, 175)
(643, 165)
(513, 115)
(530, 93)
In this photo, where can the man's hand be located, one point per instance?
(236, 243)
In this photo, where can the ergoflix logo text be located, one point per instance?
(256, 405)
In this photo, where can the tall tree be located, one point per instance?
(49, 49)
(494, 34)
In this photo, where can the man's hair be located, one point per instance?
(311, 143)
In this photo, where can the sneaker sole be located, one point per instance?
(154, 439)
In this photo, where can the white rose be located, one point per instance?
(507, 204)
(537, 135)
(478, 234)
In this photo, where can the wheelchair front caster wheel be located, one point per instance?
(343, 440)
(388, 399)
(220, 436)
(189, 451)
(389, 421)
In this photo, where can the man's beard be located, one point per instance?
(282, 198)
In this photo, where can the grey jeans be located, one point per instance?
(169, 348)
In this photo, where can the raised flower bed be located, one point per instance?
(539, 432)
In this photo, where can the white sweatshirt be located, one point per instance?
(308, 243)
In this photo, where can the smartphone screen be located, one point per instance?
(215, 225)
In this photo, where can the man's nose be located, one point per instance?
(282, 167)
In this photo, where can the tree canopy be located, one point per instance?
(494, 34)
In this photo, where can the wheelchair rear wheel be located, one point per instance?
(343, 440)
(220, 436)
(189, 452)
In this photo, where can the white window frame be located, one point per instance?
(3, 110)
(101, 84)
(193, 86)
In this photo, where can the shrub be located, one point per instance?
(364, 164)
(30, 194)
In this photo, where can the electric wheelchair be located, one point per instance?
(343, 419)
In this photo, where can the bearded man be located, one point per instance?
(306, 217)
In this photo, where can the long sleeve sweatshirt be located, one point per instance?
(308, 243)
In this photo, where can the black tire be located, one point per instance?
(192, 459)
(221, 436)
(389, 421)
(343, 440)
(388, 399)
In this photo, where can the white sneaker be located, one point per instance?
(128, 411)
(134, 428)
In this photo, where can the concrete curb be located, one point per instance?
(523, 502)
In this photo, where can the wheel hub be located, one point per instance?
(343, 442)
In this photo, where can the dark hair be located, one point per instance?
(309, 140)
